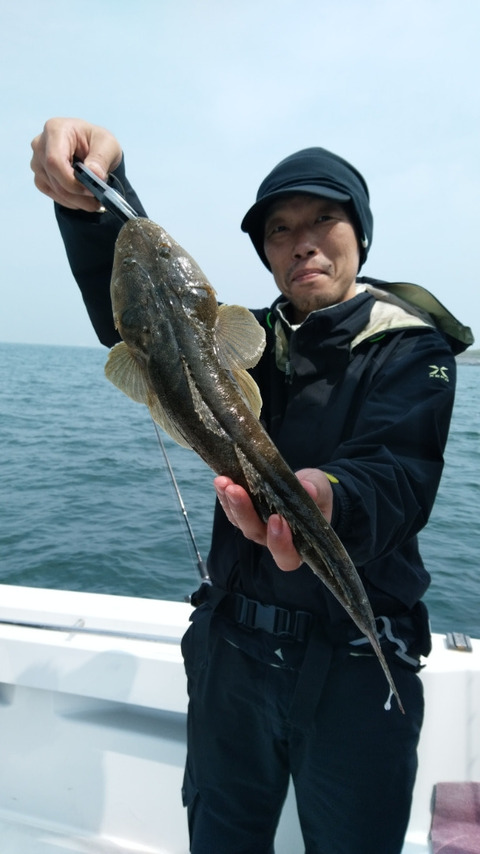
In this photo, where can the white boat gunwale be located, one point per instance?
(92, 715)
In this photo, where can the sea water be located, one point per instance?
(87, 502)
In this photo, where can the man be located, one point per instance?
(280, 681)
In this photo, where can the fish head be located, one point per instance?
(154, 280)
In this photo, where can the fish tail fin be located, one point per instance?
(393, 688)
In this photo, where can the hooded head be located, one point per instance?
(319, 173)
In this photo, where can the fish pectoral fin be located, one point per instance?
(250, 391)
(127, 373)
(240, 338)
(165, 422)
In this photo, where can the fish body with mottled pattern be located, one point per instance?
(187, 359)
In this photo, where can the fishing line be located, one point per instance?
(201, 565)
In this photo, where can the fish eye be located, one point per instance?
(202, 289)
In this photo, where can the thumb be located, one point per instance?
(309, 487)
(104, 153)
(96, 166)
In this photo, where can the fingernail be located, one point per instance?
(233, 498)
(276, 525)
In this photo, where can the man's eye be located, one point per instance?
(323, 218)
(276, 229)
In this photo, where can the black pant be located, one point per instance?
(353, 763)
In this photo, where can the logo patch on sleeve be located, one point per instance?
(439, 373)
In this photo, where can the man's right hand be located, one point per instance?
(276, 534)
(53, 152)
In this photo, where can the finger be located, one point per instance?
(53, 153)
(54, 176)
(104, 153)
(78, 198)
(239, 510)
(309, 487)
(280, 543)
(220, 484)
(319, 487)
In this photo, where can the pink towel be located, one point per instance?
(456, 818)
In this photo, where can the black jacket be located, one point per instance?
(363, 390)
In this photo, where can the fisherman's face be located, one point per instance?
(312, 249)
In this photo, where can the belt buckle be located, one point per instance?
(254, 615)
(271, 618)
(245, 611)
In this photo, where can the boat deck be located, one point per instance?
(92, 727)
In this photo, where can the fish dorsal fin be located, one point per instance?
(129, 375)
(241, 342)
(240, 338)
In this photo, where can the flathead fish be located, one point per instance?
(187, 359)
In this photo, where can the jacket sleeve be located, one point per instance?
(89, 243)
(389, 469)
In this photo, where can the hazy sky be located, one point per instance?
(206, 97)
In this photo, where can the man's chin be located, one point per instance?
(314, 298)
(304, 304)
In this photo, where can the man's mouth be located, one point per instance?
(306, 273)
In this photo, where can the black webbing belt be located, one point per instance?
(291, 625)
(294, 625)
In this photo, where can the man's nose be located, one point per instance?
(304, 245)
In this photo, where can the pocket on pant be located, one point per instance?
(189, 789)
(194, 644)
